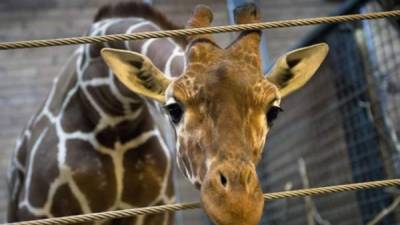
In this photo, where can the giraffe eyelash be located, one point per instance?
(174, 110)
(272, 114)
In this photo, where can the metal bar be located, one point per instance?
(348, 7)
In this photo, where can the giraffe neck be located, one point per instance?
(99, 81)
(107, 97)
(89, 115)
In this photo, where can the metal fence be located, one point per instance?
(343, 127)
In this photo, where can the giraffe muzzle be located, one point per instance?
(231, 194)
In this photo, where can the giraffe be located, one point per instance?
(222, 107)
(93, 137)
(118, 126)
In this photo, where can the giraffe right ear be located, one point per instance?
(137, 72)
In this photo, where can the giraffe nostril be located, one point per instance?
(222, 179)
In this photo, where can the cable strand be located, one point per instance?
(184, 206)
(197, 31)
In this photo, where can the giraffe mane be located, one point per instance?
(135, 9)
(141, 10)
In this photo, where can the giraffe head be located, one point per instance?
(222, 107)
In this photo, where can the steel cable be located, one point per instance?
(196, 31)
(183, 206)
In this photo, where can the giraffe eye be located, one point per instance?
(175, 111)
(272, 114)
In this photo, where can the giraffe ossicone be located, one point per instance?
(113, 136)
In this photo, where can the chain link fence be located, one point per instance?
(343, 127)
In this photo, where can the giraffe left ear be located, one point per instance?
(136, 72)
(295, 68)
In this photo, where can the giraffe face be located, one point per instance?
(221, 126)
(221, 114)
(222, 107)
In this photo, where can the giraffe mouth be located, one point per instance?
(231, 194)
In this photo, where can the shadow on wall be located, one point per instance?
(26, 4)
(48, 4)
